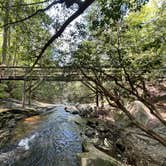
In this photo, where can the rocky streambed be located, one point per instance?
(49, 139)
(12, 112)
(121, 142)
(104, 141)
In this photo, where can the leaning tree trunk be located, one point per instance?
(148, 131)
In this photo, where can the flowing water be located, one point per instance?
(46, 140)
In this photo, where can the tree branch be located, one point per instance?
(84, 6)
(32, 15)
(30, 4)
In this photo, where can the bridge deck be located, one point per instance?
(51, 73)
(40, 73)
(46, 78)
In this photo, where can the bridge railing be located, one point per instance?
(20, 72)
(9, 72)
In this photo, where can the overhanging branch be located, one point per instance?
(83, 7)
(31, 4)
(33, 14)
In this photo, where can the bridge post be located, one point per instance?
(2, 70)
(24, 94)
(29, 92)
(102, 101)
(24, 88)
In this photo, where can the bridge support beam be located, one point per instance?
(29, 92)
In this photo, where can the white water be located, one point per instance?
(24, 143)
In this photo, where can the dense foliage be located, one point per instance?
(124, 55)
(119, 48)
(132, 46)
(126, 36)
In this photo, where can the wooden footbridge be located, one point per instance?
(65, 74)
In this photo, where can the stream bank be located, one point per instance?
(49, 139)
(118, 138)
(11, 112)
(104, 141)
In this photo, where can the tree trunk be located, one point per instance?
(97, 98)
(29, 98)
(5, 32)
(102, 101)
(29, 93)
(148, 131)
(24, 94)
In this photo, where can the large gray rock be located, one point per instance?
(139, 149)
(141, 113)
(90, 132)
(84, 110)
(4, 136)
(8, 120)
(71, 109)
(94, 157)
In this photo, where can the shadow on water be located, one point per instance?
(49, 140)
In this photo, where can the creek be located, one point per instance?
(51, 139)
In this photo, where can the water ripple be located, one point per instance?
(56, 143)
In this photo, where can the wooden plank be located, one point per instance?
(45, 78)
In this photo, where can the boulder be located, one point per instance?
(4, 136)
(90, 133)
(139, 149)
(72, 110)
(94, 157)
(92, 123)
(11, 123)
(66, 109)
(75, 112)
(8, 120)
(141, 113)
(102, 128)
(84, 111)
